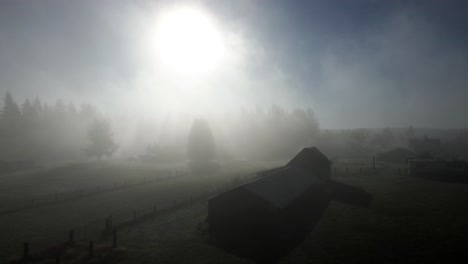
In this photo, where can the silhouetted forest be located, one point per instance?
(276, 133)
(37, 131)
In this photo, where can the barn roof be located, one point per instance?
(308, 155)
(283, 186)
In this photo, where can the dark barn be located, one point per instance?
(265, 219)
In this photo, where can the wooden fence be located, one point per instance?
(106, 230)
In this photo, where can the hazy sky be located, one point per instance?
(361, 63)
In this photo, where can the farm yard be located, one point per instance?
(265, 132)
(41, 206)
(402, 225)
(51, 184)
(411, 220)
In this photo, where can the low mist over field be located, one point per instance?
(220, 119)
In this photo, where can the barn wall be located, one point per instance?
(244, 224)
(303, 213)
(237, 214)
(324, 172)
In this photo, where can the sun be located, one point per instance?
(188, 41)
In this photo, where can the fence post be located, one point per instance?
(26, 250)
(114, 239)
(91, 249)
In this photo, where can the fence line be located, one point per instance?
(102, 230)
(365, 170)
(57, 197)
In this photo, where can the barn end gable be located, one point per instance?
(312, 161)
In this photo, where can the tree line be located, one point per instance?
(37, 131)
(277, 133)
(273, 133)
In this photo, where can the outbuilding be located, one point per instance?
(266, 218)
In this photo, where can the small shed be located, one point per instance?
(268, 217)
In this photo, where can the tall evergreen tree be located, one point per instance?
(201, 146)
(11, 113)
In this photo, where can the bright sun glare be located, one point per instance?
(188, 41)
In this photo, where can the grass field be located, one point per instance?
(411, 220)
(49, 223)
